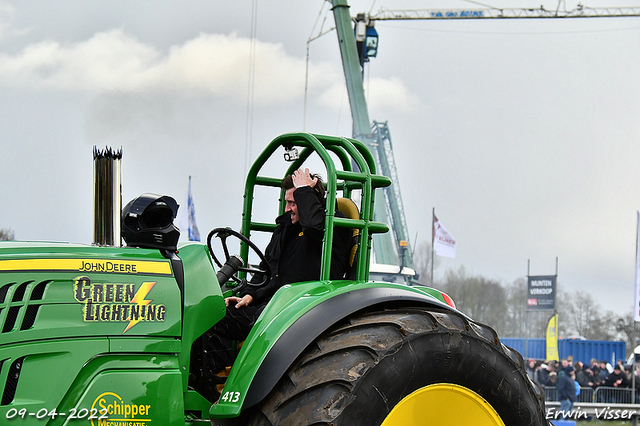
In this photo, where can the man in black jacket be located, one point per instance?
(293, 254)
(295, 250)
(617, 378)
(567, 391)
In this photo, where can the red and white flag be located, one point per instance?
(444, 243)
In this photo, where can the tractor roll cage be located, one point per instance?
(350, 152)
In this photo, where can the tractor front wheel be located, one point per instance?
(405, 366)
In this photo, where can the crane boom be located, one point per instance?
(495, 13)
(395, 206)
(383, 247)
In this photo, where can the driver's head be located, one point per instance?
(291, 207)
(288, 186)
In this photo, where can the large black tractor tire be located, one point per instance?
(361, 369)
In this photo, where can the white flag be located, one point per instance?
(443, 242)
(636, 306)
(188, 218)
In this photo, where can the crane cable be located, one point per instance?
(251, 85)
(306, 76)
(481, 4)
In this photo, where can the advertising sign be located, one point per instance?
(552, 339)
(541, 292)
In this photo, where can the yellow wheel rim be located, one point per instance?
(443, 404)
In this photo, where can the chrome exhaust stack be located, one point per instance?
(107, 195)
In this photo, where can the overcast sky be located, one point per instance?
(523, 134)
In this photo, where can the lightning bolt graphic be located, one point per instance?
(139, 299)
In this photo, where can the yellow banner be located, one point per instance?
(88, 265)
(552, 339)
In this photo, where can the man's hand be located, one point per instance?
(239, 301)
(303, 178)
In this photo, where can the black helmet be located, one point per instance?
(147, 221)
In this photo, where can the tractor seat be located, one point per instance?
(349, 208)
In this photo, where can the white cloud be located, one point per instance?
(116, 62)
(210, 65)
(220, 64)
(6, 16)
(391, 93)
(382, 95)
(107, 61)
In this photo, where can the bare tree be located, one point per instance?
(516, 316)
(482, 299)
(6, 234)
(628, 331)
(581, 315)
(422, 262)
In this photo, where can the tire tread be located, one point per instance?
(328, 381)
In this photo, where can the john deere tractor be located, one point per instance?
(108, 335)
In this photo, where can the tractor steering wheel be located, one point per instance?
(223, 234)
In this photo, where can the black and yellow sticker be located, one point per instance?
(131, 267)
(117, 302)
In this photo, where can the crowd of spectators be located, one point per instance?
(566, 375)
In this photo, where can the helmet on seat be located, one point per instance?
(147, 222)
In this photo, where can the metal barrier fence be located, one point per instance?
(614, 395)
(586, 394)
(550, 393)
(600, 394)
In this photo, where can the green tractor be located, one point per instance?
(105, 335)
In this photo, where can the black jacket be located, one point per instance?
(612, 378)
(295, 250)
(566, 388)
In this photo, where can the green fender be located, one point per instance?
(295, 317)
